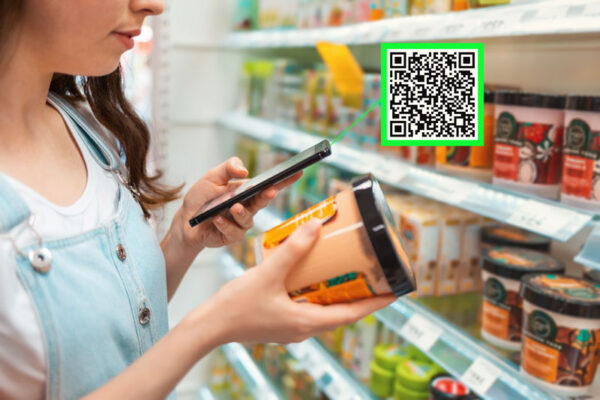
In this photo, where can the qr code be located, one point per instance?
(432, 95)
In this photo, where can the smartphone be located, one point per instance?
(262, 181)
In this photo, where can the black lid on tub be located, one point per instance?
(379, 225)
(514, 98)
(505, 235)
(562, 294)
(516, 262)
(583, 103)
(591, 274)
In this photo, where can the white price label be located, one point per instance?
(391, 171)
(481, 375)
(492, 25)
(337, 389)
(450, 191)
(455, 29)
(548, 220)
(421, 332)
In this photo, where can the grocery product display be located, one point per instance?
(562, 331)
(268, 14)
(503, 269)
(225, 381)
(482, 245)
(472, 273)
(523, 132)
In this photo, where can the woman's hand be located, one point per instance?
(220, 231)
(256, 307)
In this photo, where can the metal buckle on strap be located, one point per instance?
(134, 192)
(40, 258)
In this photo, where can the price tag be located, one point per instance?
(448, 190)
(338, 389)
(454, 29)
(421, 332)
(481, 375)
(545, 219)
(361, 30)
(421, 30)
(391, 171)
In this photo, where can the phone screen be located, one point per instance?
(262, 181)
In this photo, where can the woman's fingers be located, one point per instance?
(262, 200)
(288, 181)
(242, 216)
(223, 173)
(228, 228)
(293, 249)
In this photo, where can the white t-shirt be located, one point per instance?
(22, 351)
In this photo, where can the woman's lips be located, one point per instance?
(126, 38)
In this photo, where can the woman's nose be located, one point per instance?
(150, 7)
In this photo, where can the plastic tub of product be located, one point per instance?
(528, 142)
(581, 153)
(445, 387)
(505, 235)
(383, 368)
(562, 332)
(415, 375)
(502, 308)
(358, 254)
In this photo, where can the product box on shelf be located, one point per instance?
(420, 232)
(470, 275)
(450, 245)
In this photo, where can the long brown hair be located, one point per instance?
(110, 107)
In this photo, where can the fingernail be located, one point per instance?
(242, 212)
(218, 220)
(239, 165)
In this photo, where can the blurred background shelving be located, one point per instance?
(548, 46)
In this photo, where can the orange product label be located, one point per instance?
(540, 360)
(578, 176)
(341, 289)
(495, 320)
(324, 211)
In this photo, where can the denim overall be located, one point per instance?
(100, 296)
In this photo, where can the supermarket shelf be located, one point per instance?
(259, 385)
(458, 353)
(453, 349)
(332, 378)
(532, 18)
(206, 394)
(548, 218)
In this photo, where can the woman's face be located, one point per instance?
(83, 37)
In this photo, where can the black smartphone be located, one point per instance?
(262, 181)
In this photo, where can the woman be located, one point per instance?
(84, 284)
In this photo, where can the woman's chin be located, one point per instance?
(100, 68)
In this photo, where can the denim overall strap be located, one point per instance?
(103, 303)
(13, 209)
(104, 155)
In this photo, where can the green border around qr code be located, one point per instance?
(385, 47)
